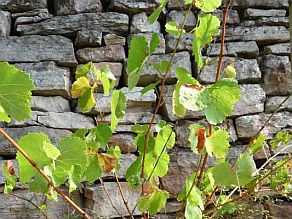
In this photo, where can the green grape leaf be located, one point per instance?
(32, 144)
(118, 106)
(245, 166)
(155, 14)
(188, 96)
(152, 203)
(74, 177)
(257, 144)
(138, 128)
(173, 29)
(107, 79)
(224, 175)
(164, 139)
(230, 71)
(184, 77)
(187, 2)
(219, 99)
(9, 173)
(281, 137)
(133, 173)
(149, 87)
(207, 5)
(80, 133)
(193, 212)
(137, 56)
(193, 138)
(93, 171)
(51, 151)
(203, 35)
(282, 177)
(217, 144)
(161, 166)
(154, 43)
(101, 135)
(15, 93)
(162, 66)
(83, 70)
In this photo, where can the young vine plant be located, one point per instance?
(86, 155)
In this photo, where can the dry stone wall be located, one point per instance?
(49, 39)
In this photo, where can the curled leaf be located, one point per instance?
(201, 138)
(108, 162)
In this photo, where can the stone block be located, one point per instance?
(253, 13)
(278, 49)
(5, 23)
(232, 17)
(176, 5)
(112, 53)
(66, 7)
(88, 38)
(109, 22)
(140, 24)
(133, 6)
(185, 43)
(37, 49)
(15, 133)
(261, 3)
(272, 21)
(277, 75)
(272, 104)
(49, 79)
(279, 210)
(31, 16)
(15, 6)
(50, 104)
(125, 141)
(160, 48)
(113, 39)
(178, 16)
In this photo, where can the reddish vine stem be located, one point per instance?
(160, 97)
(47, 178)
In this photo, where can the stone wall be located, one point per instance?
(48, 39)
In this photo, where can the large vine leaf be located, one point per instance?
(219, 99)
(15, 93)
(257, 144)
(208, 5)
(118, 106)
(155, 14)
(218, 144)
(224, 175)
(245, 166)
(193, 212)
(203, 35)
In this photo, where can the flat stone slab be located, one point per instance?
(37, 49)
(5, 23)
(261, 3)
(255, 13)
(272, 104)
(139, 24)
(22, 5)
(49, 79)
(109, 22)
(50, 104)
(133, 6)
(66, 7)
(125, 141)
(278, 49)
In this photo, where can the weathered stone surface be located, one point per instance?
(252, 98)
(185, 43)
(113, 39)
(264, 153)
(247, 209)
(272, 104)
(66, 7)
(101, 207)
(49, 79)
(110, 22)
(125, 141)
(255, 13)
(247, 126)
(176, 5)
(2, 164)
(232, 17)
(167, 107)
(88, 38)
(37, 49)
(50, 104)
(5, 22)
(140, 24)
(262, 35)
(33, 121)
(66, 120)
(7, 150)
(178, 16)
(150, 75)
(277, 74)
(279, 211)
(31, 16)
(278, 49)
(116, 69)
(33, 13)
(247, 49)
(14, 208)
(133, 6)
(283, 148)
(261, 3)
(112, 53)
(160, 48)
(272, 21)
(22, 5)
(247, 70)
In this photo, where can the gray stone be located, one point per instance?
(264, 153)
(50, 104)
(140, 24)
(176, 5)
(32, 121)
(112, 53)
(22, 5)
(272, 104)
(88, 38)
(66, 120)
(272, 21)
(5, 22)
(262, 35)
(232, 17)
(49, 79)
(101, 207)
(125, 141)
(255, 13)
(37, 49)
(178, 16)
(15, 167)
(278, 49)
(6, 149)
(171, 206)
(280, 210)
(110, 22)
(160, 48)
(66, 7)
(116, 69)
(247, 126)
(247, 70)
(33, 13)
(133, 6)
(150, 75)
(283, 149)
(252, 98)
(113, 39)
(261, 3)
(247, 49)
(31, 16)
(277, 74)
(185, 43)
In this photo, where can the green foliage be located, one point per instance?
(245, 166)
(193, 138)
(281, 180)
(193, 212)
(207, 5)
(118, 106)
(257, 144)
(155, 14)
(281, 137)
(230, 71)
(173, 29)
(217, 144)
(223, 174)
(15, 93)
(9, 173)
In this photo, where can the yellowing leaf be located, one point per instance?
(208, 5)
(80, 86)
(108, 162)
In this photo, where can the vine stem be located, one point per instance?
(160, 97)
(47, 178)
